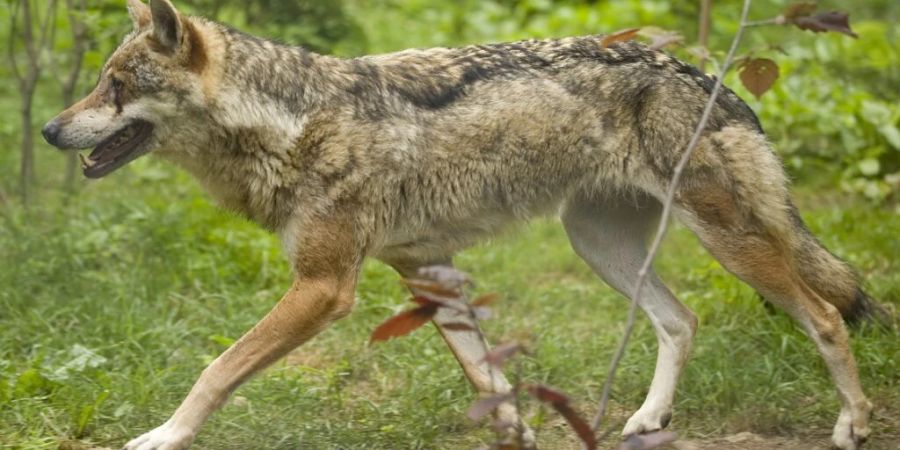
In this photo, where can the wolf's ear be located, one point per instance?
(166, 24)
(140, 13)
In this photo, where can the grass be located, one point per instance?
(111, 305)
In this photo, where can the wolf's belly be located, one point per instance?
(438, 241)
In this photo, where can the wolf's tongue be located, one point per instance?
(112, 148)
(117, 150)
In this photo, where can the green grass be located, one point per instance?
(155, 282)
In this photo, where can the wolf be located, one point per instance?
(411, 157)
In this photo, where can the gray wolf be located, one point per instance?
(411, 157)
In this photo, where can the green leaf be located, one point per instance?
(87, 414)
(80, 359)
(31, 383)
(869, 167)
(892, 134)
(876, 112)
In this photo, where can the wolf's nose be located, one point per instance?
(50, 132)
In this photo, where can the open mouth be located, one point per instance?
(117, 150)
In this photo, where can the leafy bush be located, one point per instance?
(833, 115)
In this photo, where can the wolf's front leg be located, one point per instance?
(310, 305)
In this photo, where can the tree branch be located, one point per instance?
(761, 23)
(28, 34)
(79, 32)
(666, 213)
(49, 17)
(11, 50)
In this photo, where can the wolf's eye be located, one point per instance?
(115, 85)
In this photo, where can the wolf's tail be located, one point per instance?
(833, 279)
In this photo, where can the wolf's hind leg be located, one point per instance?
(767, 254)
(610, 235)
(469, 348)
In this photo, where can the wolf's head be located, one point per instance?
(149, 92)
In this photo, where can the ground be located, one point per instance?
(112, 306)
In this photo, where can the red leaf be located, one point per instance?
(546, 393)
(661, 38)
(560, 402)
(798, 9)
(457, 326)
(423, 300)
(758, 75)
(836, 21)
(582, 429)
(619, 36)
(404, 323)
(699, 52)
(485, 406)
(665, 40)
(501, 353)
(446, 276)
(647, 441)
(482, 313)
(455, 305)
(430, 287)
(485, 299)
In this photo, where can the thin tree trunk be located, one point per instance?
(79, 38)
(703, 35)
(26, 170)
(26, 84)
(216, 7)
(28, 79)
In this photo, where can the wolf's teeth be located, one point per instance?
(86, 162)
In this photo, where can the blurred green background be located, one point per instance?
(114, 294)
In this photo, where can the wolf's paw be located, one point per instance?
(647, 420)
(513, 429)
(852, 428)
(165, 437)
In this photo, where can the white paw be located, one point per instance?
(646, 420)
(165, 437)
(514, 428)
(851, 430)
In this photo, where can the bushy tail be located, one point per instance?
(833, 279)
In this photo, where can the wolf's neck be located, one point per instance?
(270, 89)
(262, 96)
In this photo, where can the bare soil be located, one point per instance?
(748, 440)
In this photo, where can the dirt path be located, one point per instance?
(747, 441)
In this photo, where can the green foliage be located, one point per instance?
(321, 26)
(833, 114)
